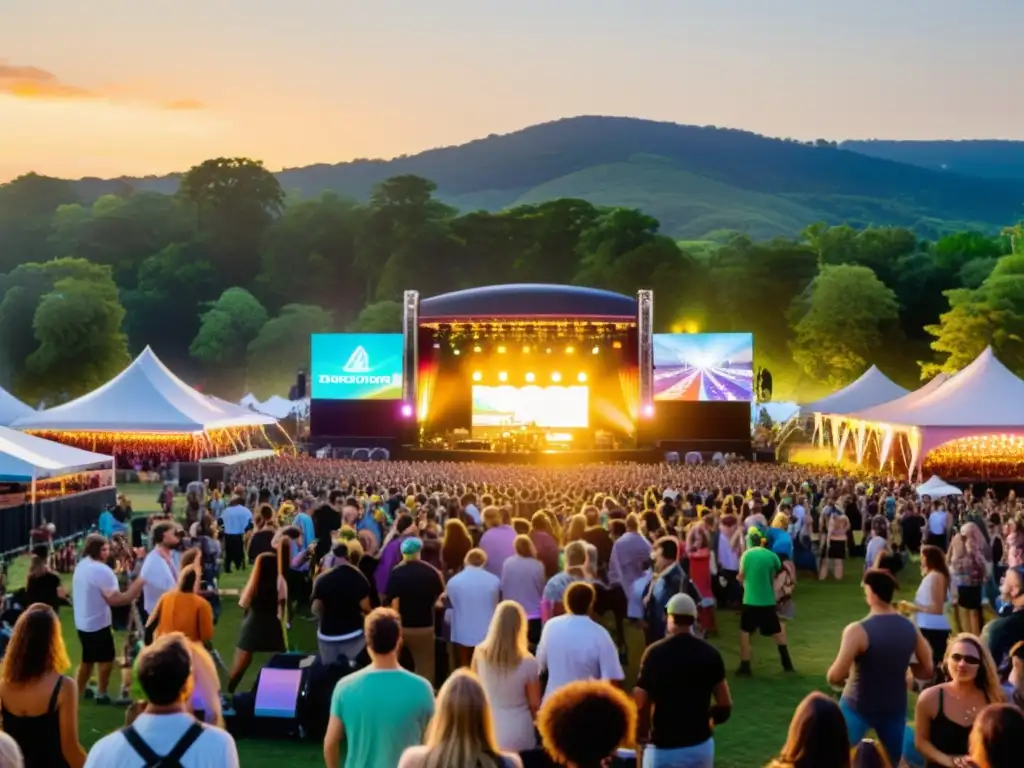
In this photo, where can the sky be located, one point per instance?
(122, 87)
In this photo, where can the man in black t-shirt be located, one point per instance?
(341, 598)
(414, 588)
(678, 676)
(327, 520)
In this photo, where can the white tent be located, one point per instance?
(277, 406)
(871, 389)
(144, 397)
(25, 458)
(11, 408)
(937, 488)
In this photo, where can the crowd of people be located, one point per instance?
(479, 615)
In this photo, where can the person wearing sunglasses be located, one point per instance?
(945, 713)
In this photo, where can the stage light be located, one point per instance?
(406, 411)
(476, 348)
(437, 345)
(531, 377)
(502, 376)
(477, 376)
(548, 351)
(501, 350)
(569, 350)
(595, 351)
(456, 352)
(648, 411)
(556, 376)
(581, 377)
(526, 350)
(616, 345)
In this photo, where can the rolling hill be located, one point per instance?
(988, 159)
(696, 180)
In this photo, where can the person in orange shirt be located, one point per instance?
(184, 610)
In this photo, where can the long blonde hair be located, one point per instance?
(461, 733)
(987, 676)
(506, 644)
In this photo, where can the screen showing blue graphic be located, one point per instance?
(704, 366)
(356, 366)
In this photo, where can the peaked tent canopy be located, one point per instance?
(26, 457)
(871, 389)
(937, 488)
(144, 397)
(11, 408)
(885, 411)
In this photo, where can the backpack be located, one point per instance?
(173, 758)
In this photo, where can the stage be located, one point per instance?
(532, 458)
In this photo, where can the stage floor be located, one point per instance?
(536, 458)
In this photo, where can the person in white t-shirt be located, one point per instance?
(94, 591)
(474, 593)
(575, 647)
(165, 730)
(158, 569)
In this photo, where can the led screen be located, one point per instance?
(356, 366)
(704, 366)
(566, 407)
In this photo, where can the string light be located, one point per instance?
(556, 377)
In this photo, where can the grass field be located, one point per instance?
(763, 703)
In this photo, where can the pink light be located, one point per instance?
(406, 411)
(648, 411)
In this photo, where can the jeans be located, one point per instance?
(332, 650)
(697, 756)
(889, 728)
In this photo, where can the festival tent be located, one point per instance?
(26, 458)
(937, 488)
(872, 388)
(11, 408)
(144, 398)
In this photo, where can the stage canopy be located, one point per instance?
(11, 408)
(528, 300)
(24, 458)
(144, 398)
(937, 488)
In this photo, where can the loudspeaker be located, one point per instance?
(764, 385)
(300, 386)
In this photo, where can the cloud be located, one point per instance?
(29, 82)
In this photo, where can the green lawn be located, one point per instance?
(763, 704)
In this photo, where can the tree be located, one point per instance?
(27, 205)
(1016, 237)
(282, 347)
(382, 317)
(227, 328)
(849, 313)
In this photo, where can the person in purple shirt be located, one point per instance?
(499, 538)
(391, 553)
(631, 554)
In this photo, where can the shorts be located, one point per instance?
(97, 647)
(969, 598)
(760, 618)
(836, 549)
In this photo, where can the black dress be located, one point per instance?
(948, 737)
(38, 735)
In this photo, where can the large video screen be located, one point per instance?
(704, 366)
(566, 407)
(356, 366)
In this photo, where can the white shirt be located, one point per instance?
(91, 580)
(159, 577)
(474, 594)
(575, 648)
(473, 514)
(213, 749)
(800, 515)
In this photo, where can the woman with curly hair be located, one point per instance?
(461, 733)
(455, 544)
(582, 724)
(40, 704)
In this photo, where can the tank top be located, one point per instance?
(948, 737)
(38, 735)
(877, 684)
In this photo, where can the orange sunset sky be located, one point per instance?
(112, 87)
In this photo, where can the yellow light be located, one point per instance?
(616, 345)
(477, 376)
(501, 350)
(556, 376)
(456, 352)
(502, 376)
(526, 350)
(581, 377)
(569, 350)
(595, 351)
(548, 350)
(531, 377)
(476, 348)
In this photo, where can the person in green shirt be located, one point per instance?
(380, 710)
(758, 569)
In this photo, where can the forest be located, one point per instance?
(227, 277)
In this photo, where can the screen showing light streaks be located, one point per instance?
(704, 366)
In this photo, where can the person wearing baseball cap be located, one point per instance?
(413, 589)
(680, 675)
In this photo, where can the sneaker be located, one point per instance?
(90, 692)
(744, 670)
(103, 699)
(123, 700)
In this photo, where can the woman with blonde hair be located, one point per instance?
(38, 703)
(461, 732)
(576, 528)
(510, 676)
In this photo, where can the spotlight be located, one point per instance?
(547, 351)
(616, 345)
(456, 352)
(406, 411)
(476, 348)
(595, 351)
(437, 345)
(502, 376)
(581, 378)
(501, 350)
(531, 377)
(556, 376)
(477, 376)
(569, 350)
(526, 350)
(648, 411)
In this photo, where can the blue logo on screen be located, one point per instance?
(356, 366)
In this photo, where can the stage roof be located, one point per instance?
(528, 301)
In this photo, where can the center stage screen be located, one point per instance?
(704, 366)
(356, 366)
(565, 407)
